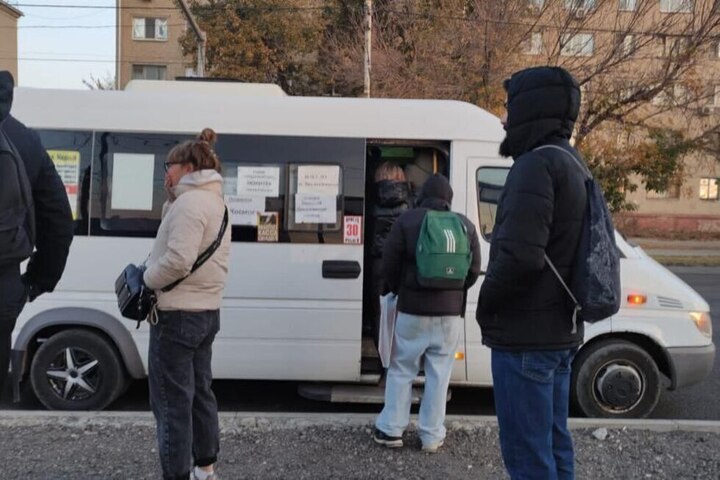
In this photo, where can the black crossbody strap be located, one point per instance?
(204, 256)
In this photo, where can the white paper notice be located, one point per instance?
(244, 209)
(315, 208)
(132, 181)
(262, 181)
(318, 179)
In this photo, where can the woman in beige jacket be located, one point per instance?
(188, 316)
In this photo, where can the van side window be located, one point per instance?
(71, 152)
(128, 182)
(490, 183)
(270, 191)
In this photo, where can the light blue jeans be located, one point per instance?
(437, 339)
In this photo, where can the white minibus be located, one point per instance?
(298, 178)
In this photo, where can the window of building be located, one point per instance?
(536, 4)
(627, 5)
(577, 45)
(628, 44)
(716, 96)
(149, 29)
(672, 192)
(533, 44)
(580, 4)
(717, 49)
(673, 46)
(677, 6)
(709, 188)
(149, 72)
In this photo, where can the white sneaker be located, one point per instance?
(432, 447)
(212, 476)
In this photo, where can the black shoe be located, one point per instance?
(386, 440)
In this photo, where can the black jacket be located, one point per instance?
(399, 256)
(53, 217)
(522, 305)
(392, 199)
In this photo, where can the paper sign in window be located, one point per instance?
(318, 179)
(261, 181)
(315, 208)
(132, 181)
(244, 208)
(67, 164)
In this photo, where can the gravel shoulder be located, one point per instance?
(122, 447)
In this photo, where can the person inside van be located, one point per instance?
(187, 318)
(392, 198)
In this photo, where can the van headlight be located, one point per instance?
(703, 322)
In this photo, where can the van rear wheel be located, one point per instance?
(77, 370)
(614, 379)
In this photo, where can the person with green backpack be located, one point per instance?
(431, 257)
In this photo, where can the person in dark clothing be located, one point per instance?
(53, 226)
(524, 313)
(392, 198)
(428, 324)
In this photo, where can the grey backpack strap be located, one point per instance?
(588, 174)
(580, 164)
(567, 289)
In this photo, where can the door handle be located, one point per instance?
(340, 269)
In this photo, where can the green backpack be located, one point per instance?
(442, 254)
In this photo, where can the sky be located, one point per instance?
(80, 44)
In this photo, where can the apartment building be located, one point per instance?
(9, 16)
(148, 41)
(646, 33)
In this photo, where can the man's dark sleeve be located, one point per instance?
(474, 271)
(527, 211)
(393, 256)
(53, 221)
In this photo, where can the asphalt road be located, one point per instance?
(698, 402)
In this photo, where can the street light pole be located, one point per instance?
(201, 36)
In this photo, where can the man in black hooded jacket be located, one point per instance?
(428, 324)
(525, 314)
(53, 226)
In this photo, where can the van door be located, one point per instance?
(485, 180)
(292, 307)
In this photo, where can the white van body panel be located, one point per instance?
(280, 318)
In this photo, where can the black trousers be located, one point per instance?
(180, 395)
(13, 296)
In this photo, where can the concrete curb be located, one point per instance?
(233, 422)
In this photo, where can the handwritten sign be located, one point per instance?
(315, 208)
(243, 209)
(260, 181)
(318, 179)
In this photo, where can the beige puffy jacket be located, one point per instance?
(189, 225)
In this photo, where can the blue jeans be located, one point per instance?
(531, 392)
(179, 376)
(436, 338)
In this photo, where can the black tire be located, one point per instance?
(92, 386)
(614, 379)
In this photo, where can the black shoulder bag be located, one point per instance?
(135, 300)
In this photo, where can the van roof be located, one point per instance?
(169, 111)
(211, 88)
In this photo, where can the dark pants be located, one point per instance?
(13, 296)
(531, 400)
(180, 395)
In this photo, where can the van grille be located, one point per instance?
(667, 302)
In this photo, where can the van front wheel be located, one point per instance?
(77, 370)
(614, 379)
